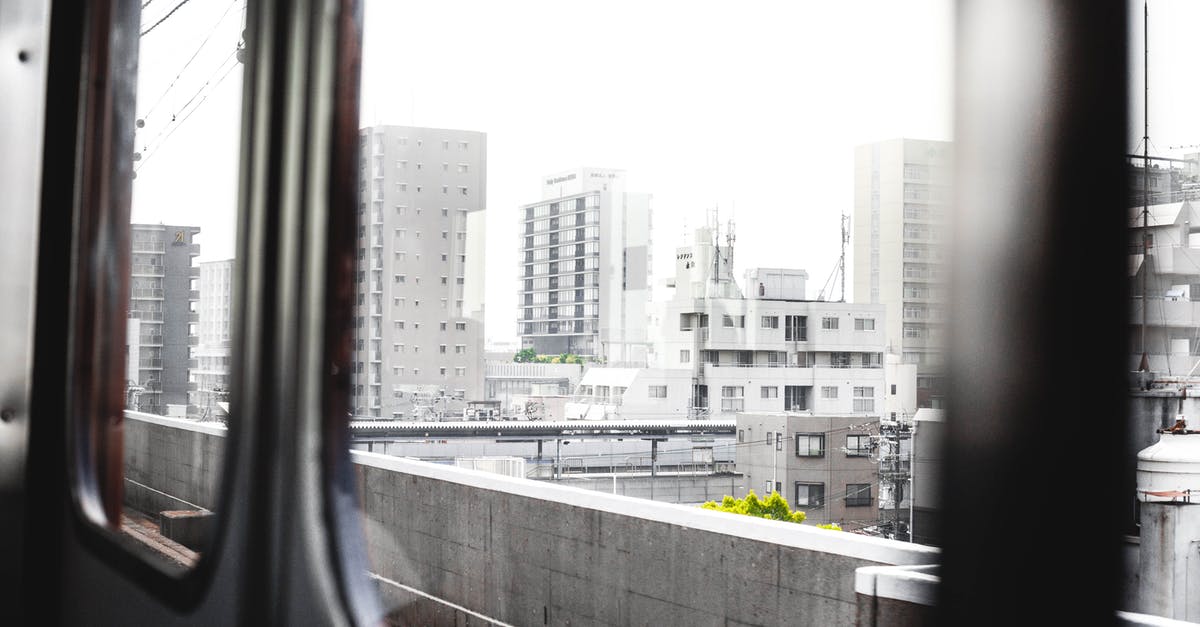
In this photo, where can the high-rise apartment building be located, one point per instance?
(901, 196)
(420, 277)
(211, 375)
(162, 310)
(585, 268)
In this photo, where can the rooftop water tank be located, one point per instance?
(1169, 470)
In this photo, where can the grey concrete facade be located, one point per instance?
(817, 463)
(447, 543)
(163, 295)
(901, 198)
(420, 276)
(531, 553)
(172, 464)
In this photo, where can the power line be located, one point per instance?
(212, 31)
(164, 18)
(180, 122)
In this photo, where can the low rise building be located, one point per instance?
(820, 463)
(772, 351)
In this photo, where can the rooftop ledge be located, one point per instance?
(211, 428)
(786, 534)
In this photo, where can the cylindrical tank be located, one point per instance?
(1168, 487)
(1169, 467)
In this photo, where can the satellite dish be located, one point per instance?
(140, 123)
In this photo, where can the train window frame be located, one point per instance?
(96, 308)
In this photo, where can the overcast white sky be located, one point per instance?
(754, 107)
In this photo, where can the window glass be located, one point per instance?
(601, 247)
(182, 312)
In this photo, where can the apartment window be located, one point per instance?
(741, 435)
(395, 348)
(445, 280)
(864, 398)
(442, 371)
(770, 322)
(893, 389)
(399, 325)
(685, 322)
(829, 323)
(460, 371)
(810, 445)
(795, 328)
(460, 349)
(401, 210)
(864, 324)
(839, 360)
(457, 280)
(462, 168)
(445, 189)
(463, 145)
(658, 391)
(460, 326)
(401, 233)
(858, 494)
(829, 391)
(442, 349)
(810, 494)
(769, 391)
(685, 356)
(462, 190)
(795, 397)
(858, 445)
(733, 321)
(732, 398)
(442, 325)
(445, 144)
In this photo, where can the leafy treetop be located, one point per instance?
(772, 508)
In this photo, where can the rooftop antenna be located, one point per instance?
(842, 261)
(1144, 366)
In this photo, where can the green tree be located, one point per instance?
(525, 355)
(772, 508)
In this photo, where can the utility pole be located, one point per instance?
(893, 473)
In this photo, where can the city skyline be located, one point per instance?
(720, 131)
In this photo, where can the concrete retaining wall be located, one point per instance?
(172, 463)
(533, 553)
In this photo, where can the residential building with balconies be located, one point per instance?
(163, 295)
(584, 268)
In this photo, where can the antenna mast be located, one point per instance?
(1145, 365)
(842, 261)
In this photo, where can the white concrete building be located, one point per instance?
(1172, 285)
(420, 276)
(211, 374)
(772, 351)
(585, 268)
(901, 198)
(720, 354)
(631, 394)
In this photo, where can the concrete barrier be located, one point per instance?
(526, 552)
